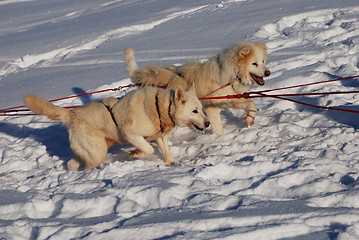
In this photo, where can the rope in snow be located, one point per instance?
(12, 111)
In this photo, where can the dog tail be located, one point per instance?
(41, 106)
(153, 75)
(130, 62)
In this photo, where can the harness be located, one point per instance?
(167, 122)
(109, 109)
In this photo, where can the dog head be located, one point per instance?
(246, 62)
(189, 110)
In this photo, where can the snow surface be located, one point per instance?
(293, 175)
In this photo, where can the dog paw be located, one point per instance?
(170, 163)
(73, 165)
(249, 120)
(136, 153)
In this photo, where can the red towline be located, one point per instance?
(260, 94)
(246, 95)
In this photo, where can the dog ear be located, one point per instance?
(261, 45)
(244, 51)
(180, 95)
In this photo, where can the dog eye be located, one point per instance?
(195, 111)
(255, 64)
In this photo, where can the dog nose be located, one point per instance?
(267, 73)
(206, 124)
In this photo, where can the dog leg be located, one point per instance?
(163, 145)
(214, 117)
(247, 105)
(250, 118)
(250, 108)
(92, 158)
(143, 148)
(90, 148)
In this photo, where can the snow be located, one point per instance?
(293, 175)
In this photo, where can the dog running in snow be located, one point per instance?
(239, 66)
(142, 115)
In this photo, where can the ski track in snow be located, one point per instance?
(293, 174)
(59, 54)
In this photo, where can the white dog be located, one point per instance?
(239, 66)
(142, 115)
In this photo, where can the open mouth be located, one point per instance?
(258, 80)
(197, 127)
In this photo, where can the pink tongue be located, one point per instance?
(260, 80)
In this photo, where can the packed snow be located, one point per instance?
(293, 175)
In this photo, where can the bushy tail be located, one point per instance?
(154, 75)
(130, 62)
(43, 107)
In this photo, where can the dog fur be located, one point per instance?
(240, 65)
(142, 115)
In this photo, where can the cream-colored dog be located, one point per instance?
(142, 115)
(240, 65)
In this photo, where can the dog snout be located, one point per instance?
(206, 124)
(267, 73)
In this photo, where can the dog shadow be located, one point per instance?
(85, 99)
(56, 140)
(234, 117)
(347, 118)
(119, 153)
(54, 137)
